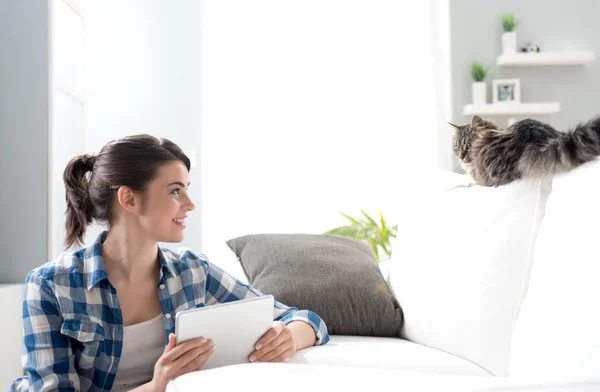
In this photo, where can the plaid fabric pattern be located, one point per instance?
(72, 321)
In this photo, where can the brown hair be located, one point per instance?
(91, 181)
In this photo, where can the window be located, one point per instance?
(67, 125)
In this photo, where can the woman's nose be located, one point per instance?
(190, 204)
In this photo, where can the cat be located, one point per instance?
(494, 156)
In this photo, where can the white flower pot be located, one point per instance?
(509, 42)
(479, 93)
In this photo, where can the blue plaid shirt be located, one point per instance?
(73, 325)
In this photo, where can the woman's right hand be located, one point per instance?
(177, 360)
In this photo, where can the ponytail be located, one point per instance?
(80, 210)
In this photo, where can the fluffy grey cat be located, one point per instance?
(494, 156)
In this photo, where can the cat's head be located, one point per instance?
(465, 135)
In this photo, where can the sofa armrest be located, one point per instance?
(12, 333)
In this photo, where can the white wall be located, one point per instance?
(143, 74)
(24, 116)
(311, 108)
(555, 26)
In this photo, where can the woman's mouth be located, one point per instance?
(180, 222)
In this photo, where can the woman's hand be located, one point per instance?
(277, 345)
(176, 360)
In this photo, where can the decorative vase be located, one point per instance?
(509, 42)
(479, 92)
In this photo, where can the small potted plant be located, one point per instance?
(509, 37)
(478, 88)
(365, 228)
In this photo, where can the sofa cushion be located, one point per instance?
(267, 377)
(386, 353)
(557, 335)
(336, 277)
(460, 261)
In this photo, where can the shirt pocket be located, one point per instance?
(87, 338)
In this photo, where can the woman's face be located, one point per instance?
(166, 203)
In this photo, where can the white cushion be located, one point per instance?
(266, 377)
(557, 334)
(386, 353)
(459, 263)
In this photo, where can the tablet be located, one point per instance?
(234, 328)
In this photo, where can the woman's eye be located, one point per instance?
(176, 191)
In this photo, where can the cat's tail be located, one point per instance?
(563, 151)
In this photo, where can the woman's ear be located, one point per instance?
(128, 199)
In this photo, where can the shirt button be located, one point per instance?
(162, 287)
(167, 315)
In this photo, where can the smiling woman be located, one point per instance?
(102, 317)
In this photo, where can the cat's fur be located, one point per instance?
(494, 156)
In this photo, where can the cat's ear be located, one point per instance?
(456, 127)
(476, 121)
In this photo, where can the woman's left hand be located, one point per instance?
(277, 345)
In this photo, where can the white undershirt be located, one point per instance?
(143, 344)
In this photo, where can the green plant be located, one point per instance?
(366, 229)
(509, 22)
(478, 72)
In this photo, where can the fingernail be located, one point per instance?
(202, 340)
(252, 358)
(258, 347)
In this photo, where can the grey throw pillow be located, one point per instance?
(336, 277)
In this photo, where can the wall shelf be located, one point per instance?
(512, 109)
(521, 59)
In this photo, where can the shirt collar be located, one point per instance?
(95, 270)
(93, 262)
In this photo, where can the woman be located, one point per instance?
(102, 318)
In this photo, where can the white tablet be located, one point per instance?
(234, 328)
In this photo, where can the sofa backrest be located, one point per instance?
(557, 334)
(460, 264)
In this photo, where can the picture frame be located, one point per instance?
(506, 91)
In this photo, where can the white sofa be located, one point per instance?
(498, 287)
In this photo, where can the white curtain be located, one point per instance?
(318, 106)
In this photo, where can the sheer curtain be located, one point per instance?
(314, 107)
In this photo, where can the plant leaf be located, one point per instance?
(371, 221)
(351, 219)
(349, 231)
(375, 250)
